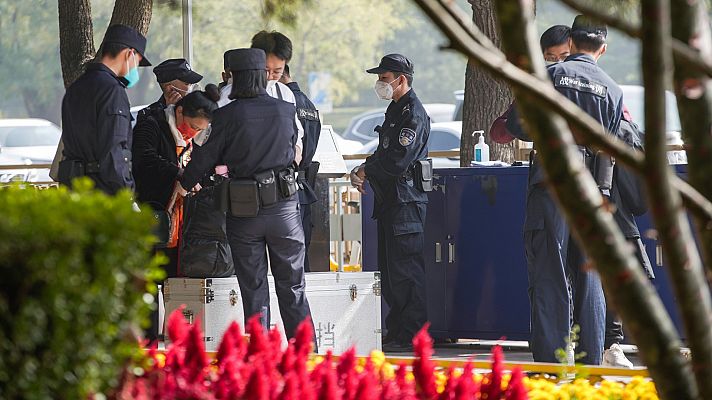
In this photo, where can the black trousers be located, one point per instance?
(614, 324)
(402, 267)
(305, 212)
(277, 230)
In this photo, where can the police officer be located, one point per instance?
(96, 120)
(400, 203)
(561, 292)
(176, 79)
(309, 117)
(255, 137)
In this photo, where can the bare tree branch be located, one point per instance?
(685, 52)
(465, 38)
(681, 256)
(625, 283)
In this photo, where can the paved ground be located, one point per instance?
(517, 351)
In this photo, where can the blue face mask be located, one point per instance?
(132, 77)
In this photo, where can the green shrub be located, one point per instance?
(75, 273)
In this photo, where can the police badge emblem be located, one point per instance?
(406, 137)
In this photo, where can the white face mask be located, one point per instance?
(270, 84)
(550, 62)
(384, 90)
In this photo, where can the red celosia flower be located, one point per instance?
(367, 387)
(516, 389)
(257, 387)
(291, 387)
(406, 391)
(423, 366)
(196, 360)
(466, 387)
(450, 385)
(230, 343)
(258, 340)
(493, 386)
(177, 326)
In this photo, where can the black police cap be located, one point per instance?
(393, 63)
(176, 68)
(247, 59)
(129, 37)
(226, 59)
(583, 23)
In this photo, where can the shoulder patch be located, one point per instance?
(386, 142)
(581, 84)
(406, 137)
(305, 113)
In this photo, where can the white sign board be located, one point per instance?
(328, 155)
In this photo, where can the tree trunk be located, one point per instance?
(592, 222)
(691, 26)
(486, 98)
(133, 13)
(76, 42)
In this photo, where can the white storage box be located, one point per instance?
(345, 307)
(215, 302)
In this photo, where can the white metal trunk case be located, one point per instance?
(345, 306)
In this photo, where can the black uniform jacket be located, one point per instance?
(155, 162)
(402, 140)
(309, 117)
(96, 127)
(154, 109)
(250, 136)
(583, 82)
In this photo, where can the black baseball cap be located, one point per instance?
(393, 63)
(176, 68)
(130, 37)
(247, 59)
(583, 23)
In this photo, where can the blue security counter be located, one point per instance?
(474, 253)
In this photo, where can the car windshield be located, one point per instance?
(28, 136)
(633, 100)
(443, 141)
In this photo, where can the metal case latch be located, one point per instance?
(353, 291)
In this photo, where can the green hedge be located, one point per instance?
(75, 273)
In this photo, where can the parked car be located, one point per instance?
(27, 141)
(444, 136)
(459, 100)
(361, 126)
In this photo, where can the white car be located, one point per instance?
(444, 136)
(361, 126)
(28, 141)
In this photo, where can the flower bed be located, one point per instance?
(260, 369)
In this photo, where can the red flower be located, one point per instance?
(493, 386)
(516, 389)
(423, 366)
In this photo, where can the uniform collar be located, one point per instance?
(581, 57)
(97, 66)
(294, 86)
(401, 103)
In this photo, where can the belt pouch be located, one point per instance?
(423, 172)
(70, 169)
(244, 199)
(221, 198)
(267, 188)
(287, 183)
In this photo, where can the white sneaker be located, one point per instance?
(614, 357)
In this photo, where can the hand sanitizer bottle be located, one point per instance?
(481, 148)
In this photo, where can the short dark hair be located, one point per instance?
(408, 77)
(286, 71)
(112, 49)
(247, 83)
(273, 43)
(554, 36)
(587, 41)
(201, 103)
